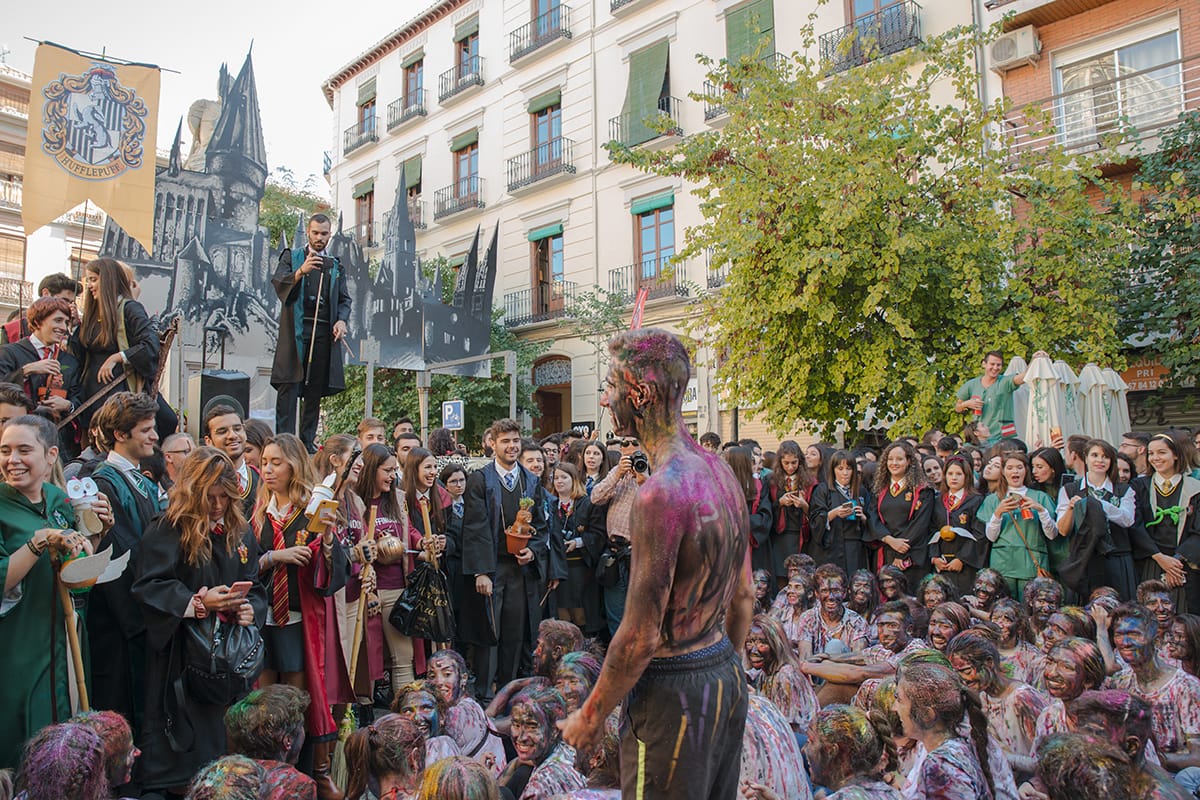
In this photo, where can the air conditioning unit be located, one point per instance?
(1015, 49)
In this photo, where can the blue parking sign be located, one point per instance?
(452, 415)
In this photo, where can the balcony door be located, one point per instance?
(549, 296)
(547, 138)
(656, 246)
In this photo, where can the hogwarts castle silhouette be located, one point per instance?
(211, 263)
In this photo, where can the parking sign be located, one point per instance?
(452, 415)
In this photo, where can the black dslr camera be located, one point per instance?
(639, 462)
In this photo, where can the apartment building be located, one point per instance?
(1103, 67)
(497, 112)
(64, 245)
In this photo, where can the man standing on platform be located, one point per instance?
(313, 319)
(676, 659)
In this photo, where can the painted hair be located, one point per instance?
(1152, 586)
(1077, 767)
(948, 590)
(1082, 624)
(1087, 656)
(392, 745)
(229, 778)
(1137, 612)
(420, 686)
(655, 357)
(976, 648)
(896, 574)
(1003, 590)
(458, 778)
(205, 470)
(582, 663)
(955, 613)
(1121, 712)
(914, 475)
(872, 596)
(547, 705)
(561, 634)
(1042, 586)
(1191, 640)
(938, 701)
(114, 731)
(854, 742)
(454, 657)
(61, 761)
(257, 725)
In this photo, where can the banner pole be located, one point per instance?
(82, 228)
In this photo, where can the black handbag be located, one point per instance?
(608, 568)
(423, 610)
(221, 661)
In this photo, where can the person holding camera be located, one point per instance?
(314, 316)
(617, 491)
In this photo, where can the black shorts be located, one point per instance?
(682, 727)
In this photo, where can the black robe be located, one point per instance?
(164, 585)
(973, 554)
(842, 541)
(912, 526)
(288, 366)
(142, 354)
(762, 521)
(579, 589)
(15, 356)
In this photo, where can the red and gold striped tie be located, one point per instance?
(279, 576)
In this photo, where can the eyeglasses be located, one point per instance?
(629, 442)
(178, 452)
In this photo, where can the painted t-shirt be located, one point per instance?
(812, 629)
(1012, 719)
(1022, 663)
(865, 790)
(770, 754)
(555, 775)
(792, 693)
(1174, 707)
(951, 772)
(467, 725)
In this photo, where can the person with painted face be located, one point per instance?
(267, 725)
(863, 598)
(555, 638)
(829, 627)
(848, 753)
(956, 556)
(1183, 642)
(1019, 655)
(1019, 524)
(1012, 708)
(843, 517)
(935, 589)
(1095, 513)
(1157, 598)
(905, 502)
(464, 720)
(1043, 596)
(120, 753)
(387, 757)
(796, 596)
(790, 486)
(538, 742)
(1166, 504)
(945, 622)
(575, 676)
(1172, 693)
(773, 670)
(772, 760)
(859, 673)
(1073, 666)
(988, 587)
(421, 702)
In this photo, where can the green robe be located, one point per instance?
(34, 692)
(1009, 556)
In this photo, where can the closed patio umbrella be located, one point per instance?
(1046, 404)
(1095, 416)
(1072, 420)
(1017, 366)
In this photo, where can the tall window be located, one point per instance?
(12, 256)
(364, 211)
(414, 78)
(547, 18)
(547, 135)
(366, 117)
(466, 170)
(656, 241)
(548, 273)
(468, 55)
(865, 8)
(1137, 84)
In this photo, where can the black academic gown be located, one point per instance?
(288, 366)
(142, 354)
(762, 521)
(164, 585)
(579, 589)
(913, 526)
(973, 554)
(841, 541)
(15, 356)
(116, 624)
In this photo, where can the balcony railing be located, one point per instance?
(554, 157)
(713, 107)
(542, 30)
(459, 196)
(1134, 106)
(616, 5)
(659, 276)
(328, 163)
(10, 194)
(630, 129)
(365, 234)
(359, 134)
(540, 303)
(15, 292)
(891, 30)
(418, 214)
(406, 108)
(460, 78)
(718, 277)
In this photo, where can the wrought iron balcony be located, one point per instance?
(359, 134)
(459, 196)
(554, 157)
(542, 30)
(1134, 106)
(460, 78)
(617, 5)
(406, 108)
(718, 277)
(418, 214)
(10, 194)
(629, 131)
(891, 30)
(713, 107)
(365, 234)
(540, 303)
(659, 276)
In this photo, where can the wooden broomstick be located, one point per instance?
(427, 544)
(64, 595)
(349, 720)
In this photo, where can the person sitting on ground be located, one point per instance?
(388, 756)
(458, 778)
(63, 761)
(267, 725)
(1018, 653)
(1072, 766)
(465, 721)
(771, 756)
(120, 752)
(229, 778)
(989, 586)
(829, 627)
(863, 671)
(536, 737)
(1043, 596)
(773, 670)
(796, 593)
(421, 702)
(577, 673)
(555, 638)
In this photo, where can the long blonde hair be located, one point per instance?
(205, 470)
(299, 485)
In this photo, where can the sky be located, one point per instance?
(296, 46)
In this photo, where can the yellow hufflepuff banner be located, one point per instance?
(93, 126)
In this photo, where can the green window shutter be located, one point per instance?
(456, 261)
(464, 140)
(546, 232)
(412, 171)
(544, 101)
(466, 28)
(413, 58)
(647, 71)
(363, 189)
(653, 203)
(366, 92)
(746, 27)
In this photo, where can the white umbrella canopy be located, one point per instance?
(1047, 404)
(1072, 420)
(1095, 416)
(1017, 366)
(1118, 415)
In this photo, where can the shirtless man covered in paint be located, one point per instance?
(675, 660)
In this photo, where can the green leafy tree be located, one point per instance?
(284, 201)
(880, 240)
(1161, 310)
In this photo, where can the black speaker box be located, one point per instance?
(223, 385)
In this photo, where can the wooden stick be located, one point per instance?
(73, 641)
(360, 621)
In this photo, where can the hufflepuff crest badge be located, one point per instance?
(94, 127)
